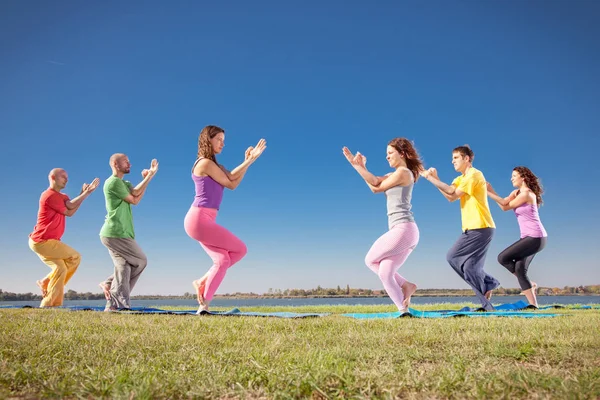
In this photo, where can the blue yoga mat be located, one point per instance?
(522, 305)
(519, 305)
(235, 312)
(502, 310)
(433, 314)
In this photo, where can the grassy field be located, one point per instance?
(63, 354)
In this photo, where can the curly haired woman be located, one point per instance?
(392, 249)
(210, 178)
(525, 201)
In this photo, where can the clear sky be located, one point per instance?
(516, 80)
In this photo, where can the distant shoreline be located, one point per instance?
(145, 297)
(241, 297)
(322, 293)
(151, 297)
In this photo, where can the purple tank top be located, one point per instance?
(209, 192)
(529, 221)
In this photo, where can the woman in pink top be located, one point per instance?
(210, 178)
(525, 201)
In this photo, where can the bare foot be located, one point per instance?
(488, 295)
(43, 285)
(199, 286)
(203, 307)
(106, 289)
(407, 290)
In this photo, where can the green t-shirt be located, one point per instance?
(119, 220)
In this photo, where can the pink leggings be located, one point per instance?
(223, 247)
(388, 253)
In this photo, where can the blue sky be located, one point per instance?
(518, 81)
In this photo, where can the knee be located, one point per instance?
(143, 261)
(450, 258)
(372, 264)
(243, 250)
(75, 259)
(519, 270)
(224, 261)
(371, 259)
(503, 260)
(60, 270)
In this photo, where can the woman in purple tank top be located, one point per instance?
(210, 178)
(525, 201)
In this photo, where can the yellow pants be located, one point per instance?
(64, 262)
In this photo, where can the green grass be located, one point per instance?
(63, 354)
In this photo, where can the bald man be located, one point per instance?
(117, 233)
(46, 235)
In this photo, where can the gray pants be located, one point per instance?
(467, 258)
(130, 261)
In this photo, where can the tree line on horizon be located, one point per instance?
(318, 292)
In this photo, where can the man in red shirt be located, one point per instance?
(50, 226)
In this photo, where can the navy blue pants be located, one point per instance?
(467, 258)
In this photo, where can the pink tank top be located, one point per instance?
(529, 221)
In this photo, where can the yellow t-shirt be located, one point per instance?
(474, 208)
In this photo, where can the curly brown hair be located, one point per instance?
(205, 148)
(407, 150)
(532, 182)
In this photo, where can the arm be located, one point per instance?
(508, 203)
(400, 177)
(359, 162)
(450, 192)
(69, 212)
(450, 197)
(148, 174)
(135, 199)
(237, 180)
(208, 167)
(58, 203)
(251, 155)
(70, 207)
(136, 194)
(73, 205)
(141, 187)
(231, 180)
(86, 190)
(370, 179)
(122, 191)
(238, 172)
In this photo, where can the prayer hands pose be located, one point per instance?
(357, 160)
(430, 172)
(89, 188)
(252, 153)
(153, 166)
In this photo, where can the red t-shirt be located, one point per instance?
(51, 216)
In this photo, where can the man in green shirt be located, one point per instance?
(117, 233)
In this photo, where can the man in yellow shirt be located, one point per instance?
(467, 256)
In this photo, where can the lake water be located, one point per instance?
(542, 300)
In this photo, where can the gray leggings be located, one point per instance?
(130, 261)
(517, 257)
